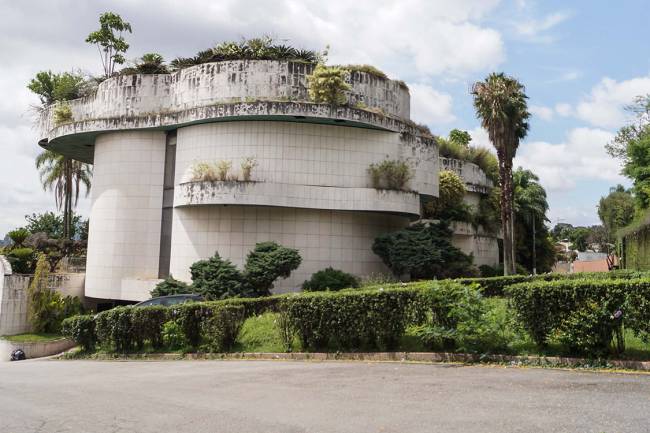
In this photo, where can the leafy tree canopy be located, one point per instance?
(616, 210)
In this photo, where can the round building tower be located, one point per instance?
(282, 169)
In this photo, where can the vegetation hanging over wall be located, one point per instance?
(457, 146)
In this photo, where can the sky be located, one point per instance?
(581, 63)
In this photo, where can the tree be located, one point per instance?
(449, 204)
(422, 251)
(616, 210)
(216, 278)
(109, 41)
(52, 225)
(460, 137)
(266, 263)
(500, 103)
(579, 238)
(65, 177)
(51, 87)
(530, 207)
(632, 146)
(562, 231)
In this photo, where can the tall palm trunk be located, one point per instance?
(505, 175)
(67, 202)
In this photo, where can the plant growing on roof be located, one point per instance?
(223, 168)
(109, 40)
(327, 85)
(149, 63)
(203, 172)
(62, 113)
(390, 174)
(247, 166)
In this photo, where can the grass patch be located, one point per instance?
(260, 334)
(32, 338)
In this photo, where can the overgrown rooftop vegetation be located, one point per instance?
(457, 146)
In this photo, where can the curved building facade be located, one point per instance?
(309, 187)
(480, 243)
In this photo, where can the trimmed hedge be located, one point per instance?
(586, 315)
(81, 329)
(583, 313)
(373, 319)
(495, 286)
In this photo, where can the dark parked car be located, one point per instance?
(167, 301)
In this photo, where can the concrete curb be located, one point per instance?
(422, 357)
(34, 350)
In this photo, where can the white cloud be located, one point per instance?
(563, 109)
(545, 113)
(604, 107)
(480, 138)
(533, 28)
(410, 39)
(581, 156)
(430, 106)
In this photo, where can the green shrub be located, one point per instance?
(327, 85)
(62, 113)
(216, 278)
(588, 329)
(147, 323)
(22, 260)
(115, 329)
(449, 204)
(266, 263)
(189, 317)
(221, 327)
(390, 174)
(172, 336)
(170, 286)
(330, 279)
(544, 308)
(422, 252)
(374, 318)
(80, 329)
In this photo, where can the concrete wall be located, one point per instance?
(483, 246)
(36, 349)
(474, 178)
(304, 154)
(324, 238)
(226, 82)
(125, 216)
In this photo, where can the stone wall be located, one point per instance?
(13, 296)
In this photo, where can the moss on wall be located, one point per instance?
(636, 249)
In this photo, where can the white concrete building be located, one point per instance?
(477, 241)
(310, 190)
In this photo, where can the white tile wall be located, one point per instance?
(125, 216)
(304, 154)
(324, 238)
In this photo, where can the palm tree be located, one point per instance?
(530, 203)
(500, 103)
(65, 177)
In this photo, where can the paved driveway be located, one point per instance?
(268, 396)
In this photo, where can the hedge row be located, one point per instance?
(585, 314)
(495, 286)
(368, 319)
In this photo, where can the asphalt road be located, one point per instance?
(269, 396)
